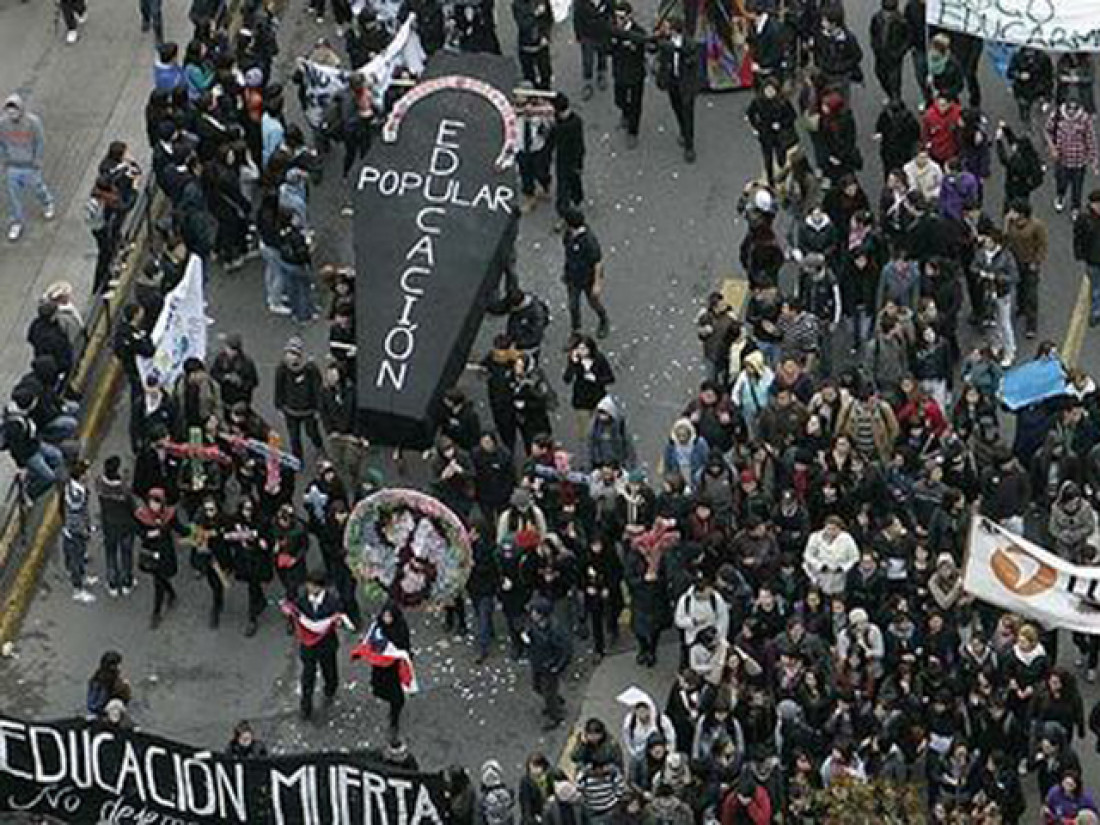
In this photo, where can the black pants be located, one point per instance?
(548, 686)
(70, 10)
(344, 582)
(257, 601)
(628, 99)
(1071, 179)
(1028, 295)
(106, 241)
(598, 619)
(773, 158)
(647, 644)
(534, 167)
(162, 589)
(888, 73)
(323, 656)
(1089, 648)
(536, 67)
(683, 106)
(594, 301)
(217, 590)
(396, 706)
(570, 192)
(294, 424)
(292, 578)
(356, 144)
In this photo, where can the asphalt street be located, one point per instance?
(670, 234)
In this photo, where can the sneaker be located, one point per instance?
(112, 592)
(587, 92)
(631, 141)
(91, 581)
(1022, 767)
(279, 309)
(15, 232)
(1079, 661)
(50, 212)
(72, 36)
(1090, 677)
(320, 20)
(604, 329)
(250, 628)
(1059, 204)
(82, 18)
(83, 596)
(689, 155)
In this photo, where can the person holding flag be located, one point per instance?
(315, 612)
(385, 648)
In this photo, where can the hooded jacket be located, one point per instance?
(636, 734)
(608, 439)
(22, 141)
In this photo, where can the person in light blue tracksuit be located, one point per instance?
(22, 148)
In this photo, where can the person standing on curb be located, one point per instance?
(76, 531)
(22, 146)
(116, 513)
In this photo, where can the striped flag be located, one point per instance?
(378, 651)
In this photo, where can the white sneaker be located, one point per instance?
(280, 310)
(126, 591)
(1079, 661)
(112, 592)
(1090, 677)
(83, 596)
(72, 36)
(1059, 204)
(15, 232)
(91, 581)
(82, 18)
(50, 212)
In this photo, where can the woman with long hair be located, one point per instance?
(385, 680)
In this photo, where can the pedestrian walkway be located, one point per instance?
(87, 94)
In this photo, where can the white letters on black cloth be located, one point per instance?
(80, 772)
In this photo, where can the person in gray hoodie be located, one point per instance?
(22, 146)
(609, 441)
(76, 531)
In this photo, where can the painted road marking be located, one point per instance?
(1078, 324)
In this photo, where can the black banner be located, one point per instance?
(89, 773)
(436, 211)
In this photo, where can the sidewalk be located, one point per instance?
(87, 94)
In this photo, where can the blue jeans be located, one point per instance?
(484, 608)
(118, 547)
(20, 178)
(42, 469)
(1094, 284)
(61, 428)
(274, 276)
(76, 557)
(299, 288)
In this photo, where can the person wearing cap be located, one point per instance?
(550, 650)
(22, 151)
(629, 44)
(234, 372)
(298, 396)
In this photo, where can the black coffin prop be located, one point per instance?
(435, 216)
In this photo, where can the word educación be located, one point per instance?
(441, 191)
(82, 773)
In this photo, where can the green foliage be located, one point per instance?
(878, 802)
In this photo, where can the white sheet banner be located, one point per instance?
(1052, 25)
(1013, 573)
(404, 52)
(180, 331)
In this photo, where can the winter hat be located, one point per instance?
(858, 616)
(492, 775)
(254, 78)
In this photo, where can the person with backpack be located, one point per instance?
(890, 42)
(497, 805)
(75, 532)
(107, 685)
(113, 196)
(39, 462)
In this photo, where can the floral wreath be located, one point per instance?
(407, 546)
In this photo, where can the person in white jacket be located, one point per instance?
(701, 607)
(830, 553)
(863, 634)
(640, 722)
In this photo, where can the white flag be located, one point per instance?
(180, 331)
(1013, 573)
(1050, 25)
(404, 52)
(320, 85)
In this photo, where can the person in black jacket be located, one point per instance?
(37, 460)
(592, 28)
(678, 74)
(568, 145)
(385, 681)
(837, 52)
(459, 419)
(628, 55)
(315, 612)
(534, 22)
(916, 13)
(1086, 248)
(1031, 73)
(116, 514)
(890, 42)
(897, 133)
(483, 582)
(494, 475)
(131, 341)
(296, 260)
(234, 372)
(550, 650)
(47, 337)
(772, 118)
(1023, 166)
(298, 396)
(583, 272)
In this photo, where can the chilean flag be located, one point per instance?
(378, 651)
(310, 632)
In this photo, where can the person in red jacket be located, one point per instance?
(939, 129)
(750, 804)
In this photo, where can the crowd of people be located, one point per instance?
(801, 536)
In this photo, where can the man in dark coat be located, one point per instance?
(592, 28)
(678, 74)
(315, 611)
(550, 650)
(628, 50)
(47, 337)
(568, 146)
